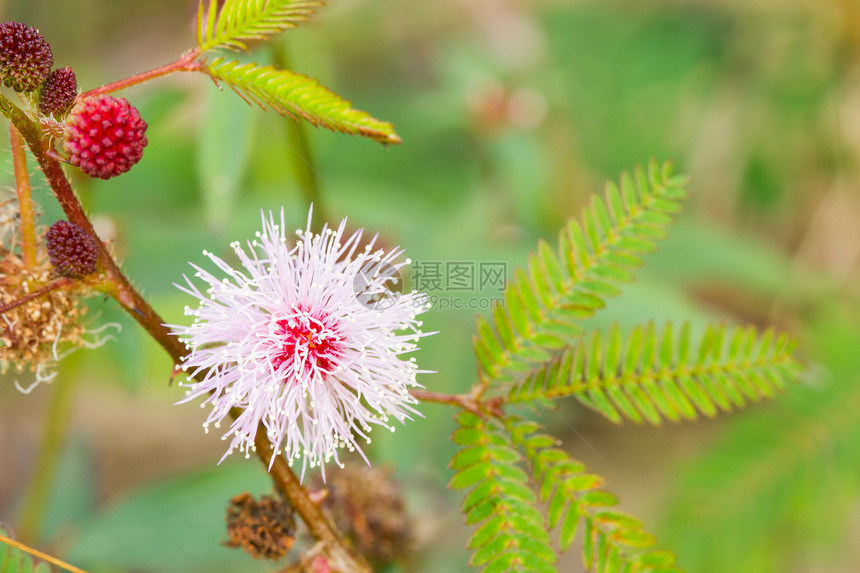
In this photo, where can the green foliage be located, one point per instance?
(544, 305)
(299, 96)
(14, 560)
(512, 534)
(655, 375)
(648, 375)
(522, 487)
(788, 475)
(611, 539)
(241, 20)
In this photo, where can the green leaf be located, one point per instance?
(512, 530)
(297, 96)
(241, 20)
(655, 378)
(545, 305)
(611, 540)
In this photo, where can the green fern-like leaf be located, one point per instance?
(299, 96)
(512, 535)
(241, 20)
(611, 539)
(654, 375)
(545, 303)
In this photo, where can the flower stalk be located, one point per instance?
(25, 198)
(118, 287)
(187, 63)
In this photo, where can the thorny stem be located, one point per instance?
(341, 558)
(116, 284)
(187, 63)
(25, 198)
(118, 287)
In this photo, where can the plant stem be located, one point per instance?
(186, 63)
(121, 290)
(25, 198)
(116, 284)
(467, 402)
(39, 491)
(341, 558)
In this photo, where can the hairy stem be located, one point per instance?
(41, 482)
(341, 558)
(186, 63)
(25, 198)
(119, 287)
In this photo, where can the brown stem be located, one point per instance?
(118, 287)
(57, 284)
(25, 198)
(186, 63)
(341, 558)
(116, 284)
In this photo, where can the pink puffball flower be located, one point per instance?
(309, 340)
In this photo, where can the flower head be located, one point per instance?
(104, 136)
(25, 57)
(58, 92)
(289, 341)
(72, 251)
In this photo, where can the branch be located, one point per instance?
(118, 287)
(186, 63)
(341, 558)
(474, 405)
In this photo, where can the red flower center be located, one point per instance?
(305, 344)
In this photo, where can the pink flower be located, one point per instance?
(310, 340)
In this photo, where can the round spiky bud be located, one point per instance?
(25, 57)
(72, 251)
(59, 92)
(104, 136)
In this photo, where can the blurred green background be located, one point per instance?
(513, 113)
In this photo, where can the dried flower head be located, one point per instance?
(367, 506)
(264, 528)
(289, 341)
(104, 136)
(59, 92)
(25, 57)
(31, 333)
(36, 332)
